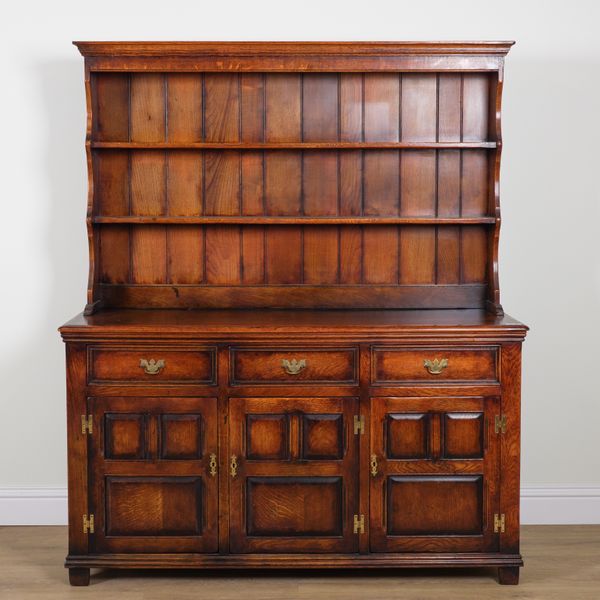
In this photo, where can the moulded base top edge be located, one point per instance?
(293, 561)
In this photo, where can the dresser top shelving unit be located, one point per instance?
(294, 175)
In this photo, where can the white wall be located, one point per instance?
(550, 275)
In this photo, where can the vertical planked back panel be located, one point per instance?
(231, 108)
(222, 107)
(147, 111)
(184, 107)
(110, 107)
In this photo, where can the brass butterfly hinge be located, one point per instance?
(500, 424)
(359, 424)
(88, 524)
(359, 524)
(87, 424)
(499, 521)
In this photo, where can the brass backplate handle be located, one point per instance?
(293, 367)
(233, 465)
(212, 465)
(151, 366)
(373, 464)
(435, 366)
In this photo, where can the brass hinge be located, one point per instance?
(498, 523)
(500, 424)
(359, 424)
(359, 524)
(88, 524)
(86, 424)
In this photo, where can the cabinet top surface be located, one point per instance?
(357, 322)
(141, 48)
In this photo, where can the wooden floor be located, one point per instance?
(562, 562)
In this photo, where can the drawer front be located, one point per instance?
(152, 365)
(294, 365)
(405, 365)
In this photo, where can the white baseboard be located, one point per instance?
(560, 505)
(33, 506)
(540, 505)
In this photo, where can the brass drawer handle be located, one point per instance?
(152, 367)
(435, 366)
(293, 367)
(212, 465)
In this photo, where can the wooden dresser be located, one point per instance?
(293, 352)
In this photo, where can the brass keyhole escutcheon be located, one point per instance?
(212, 465)
(151, 366)
(293, 367)
(233, 465)
(435, 366)
(373, 464)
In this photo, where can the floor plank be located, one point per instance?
(561, 562)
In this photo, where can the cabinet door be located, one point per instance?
(295, 486)
(152, 473)
(434, 474)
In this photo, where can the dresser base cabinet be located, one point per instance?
(318, 444)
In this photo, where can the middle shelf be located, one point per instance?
(304, 220)
(333, 145)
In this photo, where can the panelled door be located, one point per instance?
(153, 474)
(293, 474)
(434, 474)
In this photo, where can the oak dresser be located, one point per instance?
(293, 353)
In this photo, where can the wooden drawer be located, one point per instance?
(151, 365)
(294, 365)
(405, 365)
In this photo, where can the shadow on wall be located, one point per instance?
(549, 274)
(36, 377)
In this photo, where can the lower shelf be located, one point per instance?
(292, 561)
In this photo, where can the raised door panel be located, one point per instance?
(434, 474)
(294, 480)
(153, 506)
(434, 505)
(153, 474)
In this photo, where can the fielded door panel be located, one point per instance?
(153, 474)
(293, 474)
(434, 474)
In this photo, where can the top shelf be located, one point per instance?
(289, 145)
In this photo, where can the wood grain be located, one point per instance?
(283, 101)
(184, 107)
(110, 93)
(147, 112)
(222, 108)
